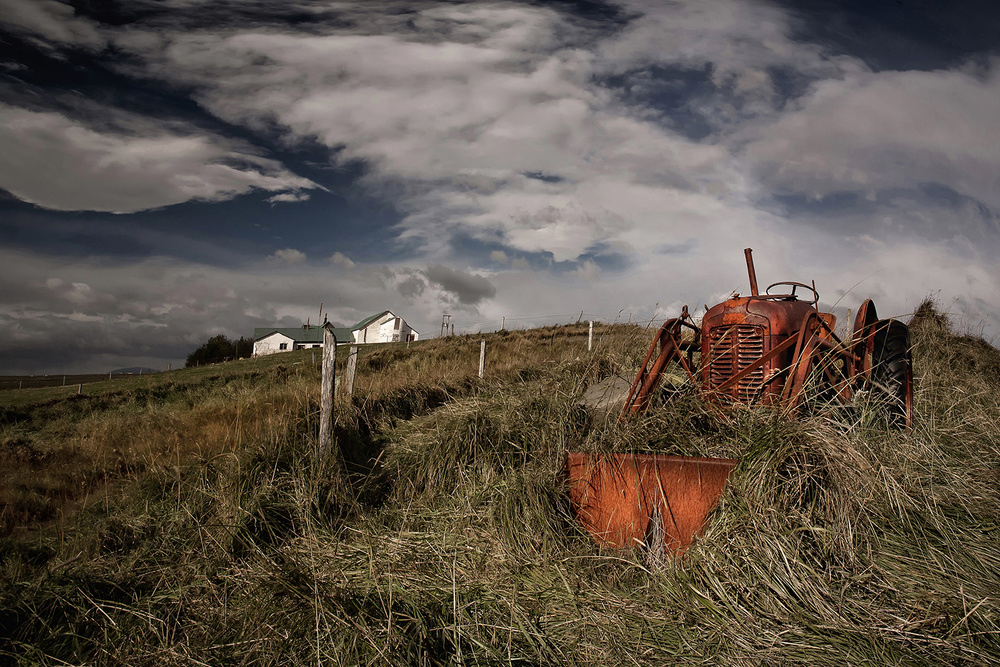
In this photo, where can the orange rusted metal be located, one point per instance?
(765, 348)
(615, 496)
(758, 349)
(671, 346)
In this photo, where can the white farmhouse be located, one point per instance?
(382, 328)
(268, 340)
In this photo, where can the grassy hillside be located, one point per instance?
(185, 519)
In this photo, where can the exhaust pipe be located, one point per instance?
(753, 275)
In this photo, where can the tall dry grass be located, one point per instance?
(446, 537)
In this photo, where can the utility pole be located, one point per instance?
(445, 319)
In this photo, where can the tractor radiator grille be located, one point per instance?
(733, 349)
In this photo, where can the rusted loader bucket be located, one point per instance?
(630, 499)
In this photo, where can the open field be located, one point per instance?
(184, 518)
(60, 446)
(8, 382)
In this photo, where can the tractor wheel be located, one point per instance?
(892, 371)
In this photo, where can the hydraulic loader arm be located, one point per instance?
(671, 345)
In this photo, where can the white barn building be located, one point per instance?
(268, 340)
(385, 327)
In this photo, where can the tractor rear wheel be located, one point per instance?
(892, 371)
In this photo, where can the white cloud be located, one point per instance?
(889, 130)
(135, 164)
(957, 274)
(289, 255)
(458, 107)
(51, 21)
(289, 197)
(167, 308)
(738, 41)
(588, 271)
(341, 259)
(488, 121)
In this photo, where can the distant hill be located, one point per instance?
(134, 370)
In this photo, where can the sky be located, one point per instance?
(172, 170)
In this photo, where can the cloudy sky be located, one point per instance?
(175, 169)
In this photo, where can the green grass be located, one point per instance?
(208, 533)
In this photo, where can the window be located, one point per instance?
(282, 346)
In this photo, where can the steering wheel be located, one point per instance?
(793, 285)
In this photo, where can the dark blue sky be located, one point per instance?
(175, 169)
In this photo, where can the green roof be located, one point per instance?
(312, 334)
(368, 320)
(343, 334)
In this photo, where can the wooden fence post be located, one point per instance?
(352, 367)
(482, 357)
(590, 337)
(326, 397)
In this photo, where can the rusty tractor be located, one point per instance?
(773, 349)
